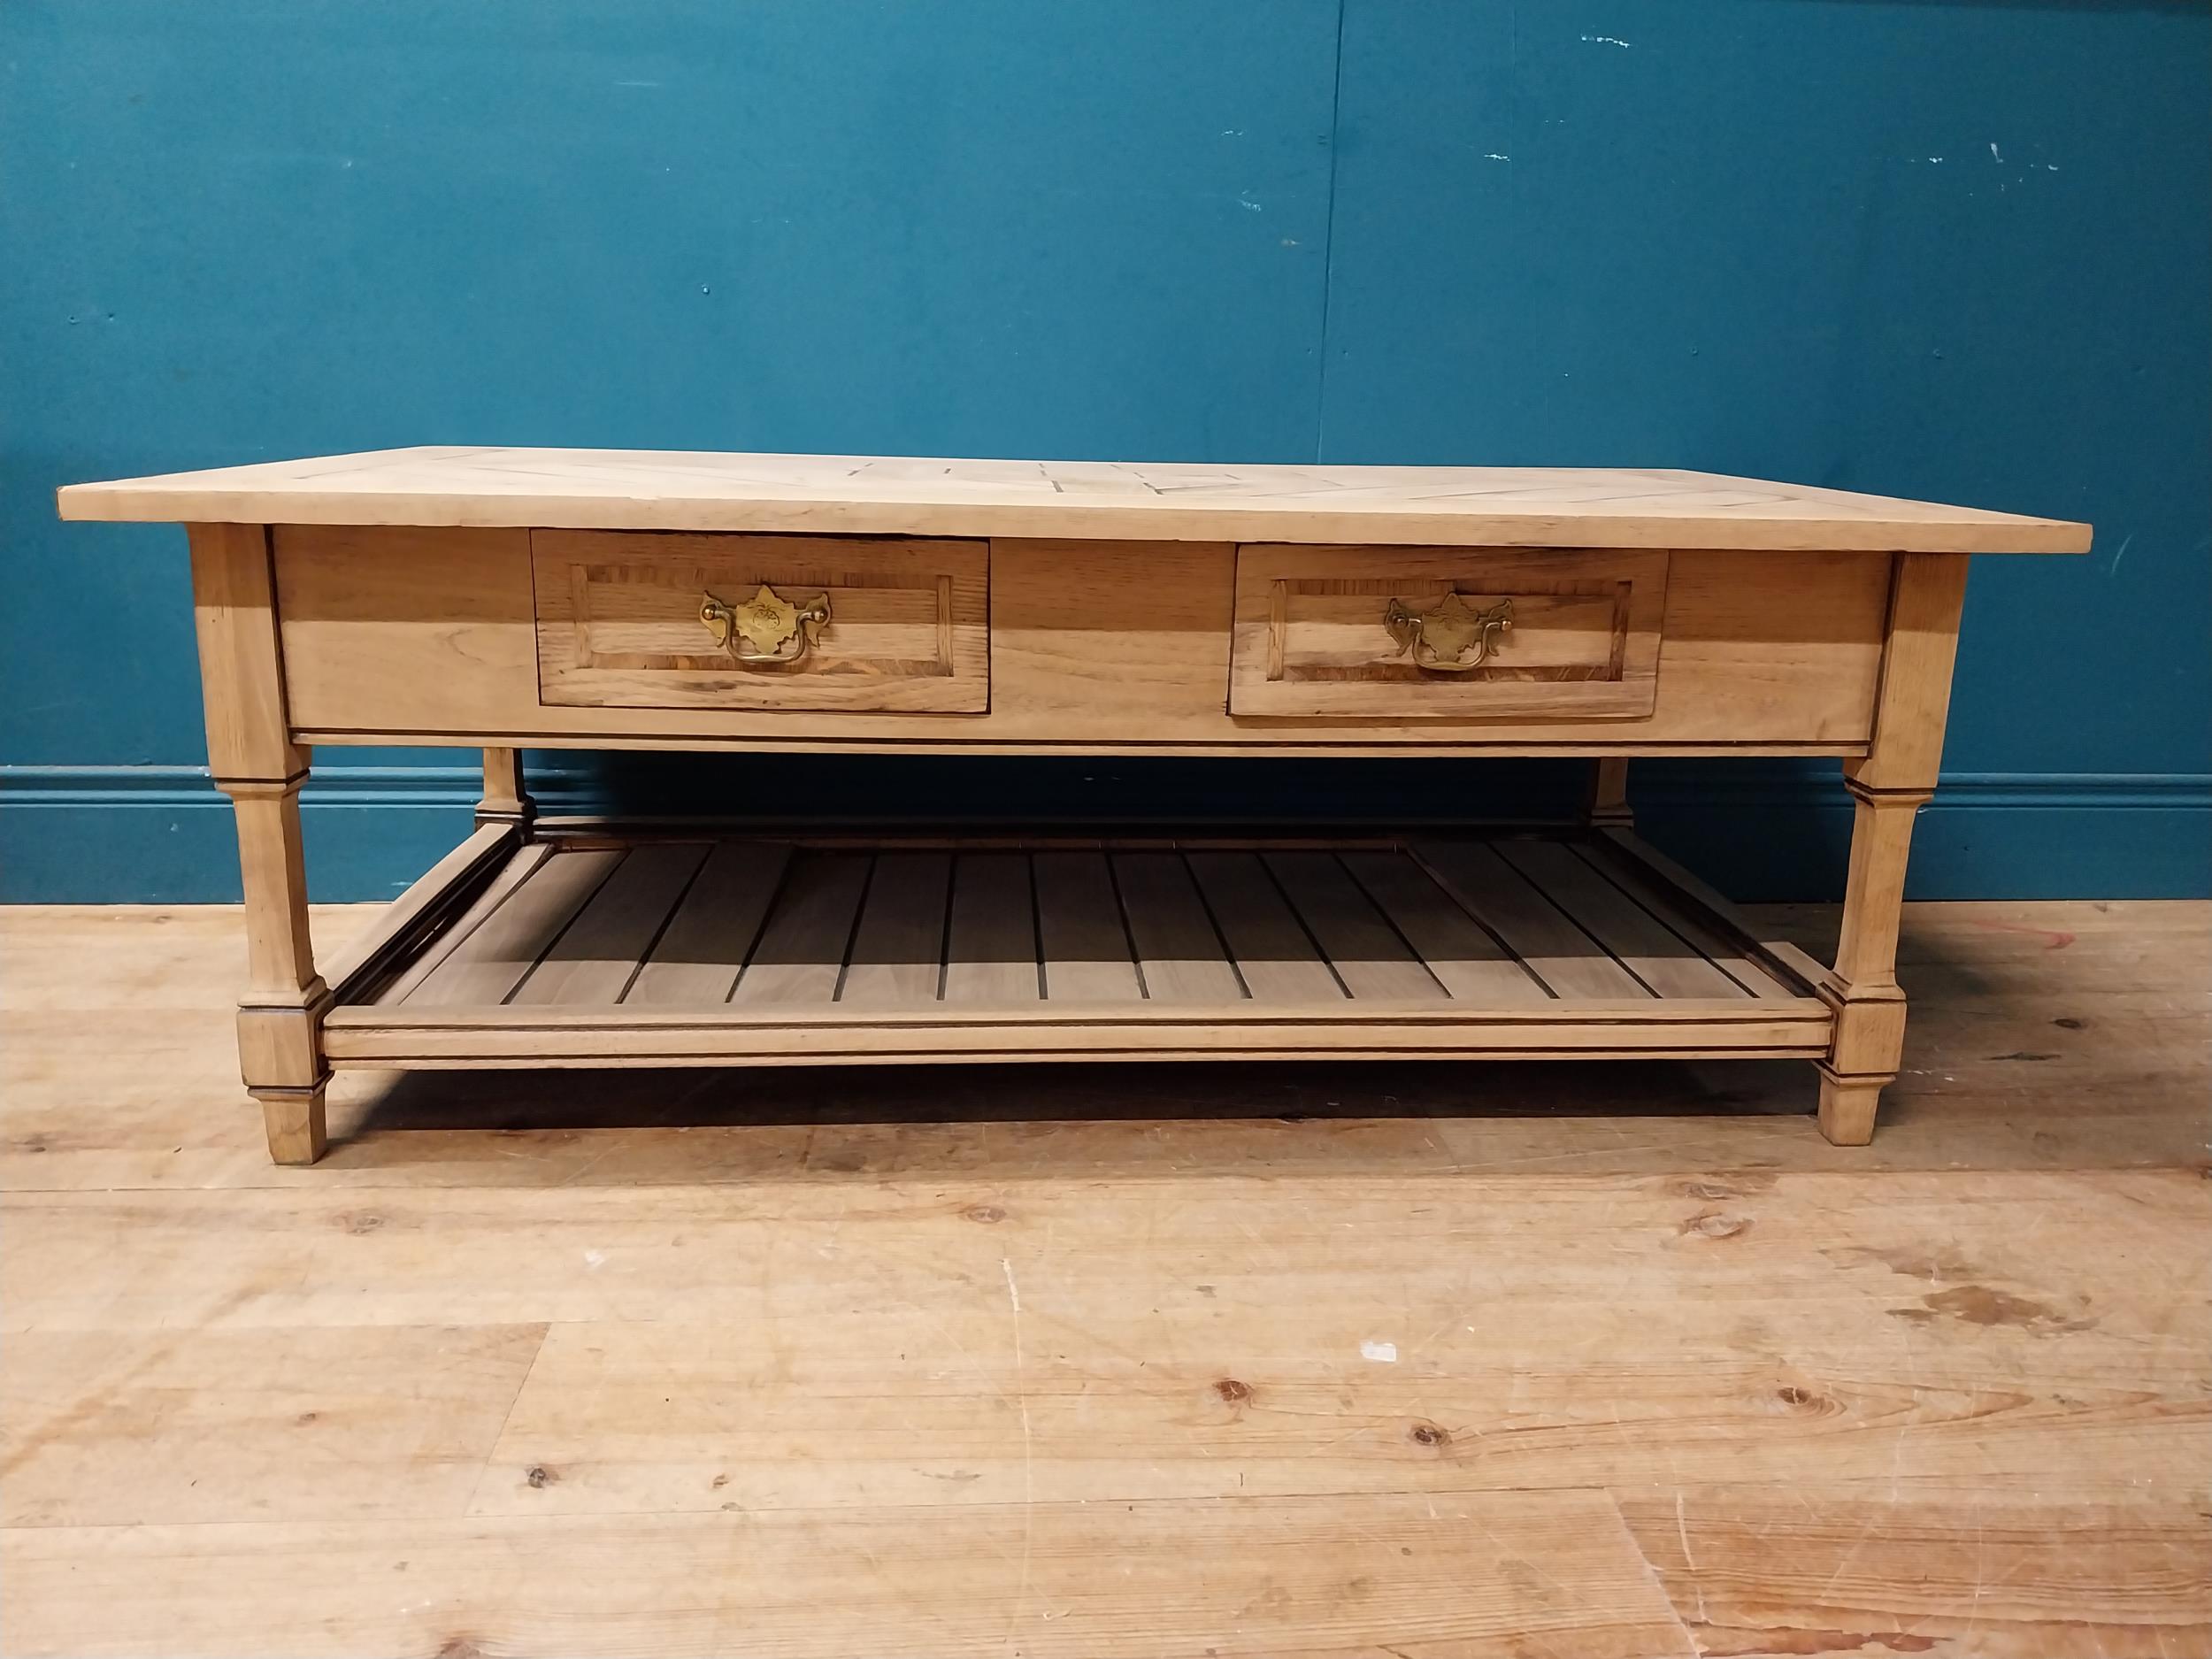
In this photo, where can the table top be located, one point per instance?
(1460, 506)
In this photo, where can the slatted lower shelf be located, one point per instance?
(605, 947)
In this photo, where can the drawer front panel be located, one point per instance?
(1447, 635)
(400, 634)
(747, 622)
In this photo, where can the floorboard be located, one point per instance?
(1280, 1577)
(1319, 1360)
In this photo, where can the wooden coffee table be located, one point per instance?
(505, 598)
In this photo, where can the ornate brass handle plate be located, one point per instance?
(1452, 637)
(767, 630)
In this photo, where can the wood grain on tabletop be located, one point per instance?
(636, 489)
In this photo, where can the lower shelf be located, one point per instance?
(614, 946)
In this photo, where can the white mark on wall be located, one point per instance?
(1993, 153)
(2113, 569)
(1492, 155)
(595, 1258)
(1382, 1353)
(1606, 40)
(1245, 201)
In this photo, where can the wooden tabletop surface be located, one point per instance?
(1460, 506)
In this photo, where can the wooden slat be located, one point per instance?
(898, 949)
(1367, 952)
(1654, 953)
(1469, 963)
(991, 946)
(1684, 910)
(410, 920)
(485, 967)
(1303, 924)
(801, 951)
(699, 953)
(1679, 884)
(1277, 957)
(1081, 933)
(1566, 959)
(595, 959)
(511, 875)
(1177, 949)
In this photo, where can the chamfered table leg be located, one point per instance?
(281, 1015)
(256, 762)
(1891, 784)
(1870, 1038)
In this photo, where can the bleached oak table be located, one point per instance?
(500, 598)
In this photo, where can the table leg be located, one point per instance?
(1888, 786)
(256, 762)
(1608, 794)
(280, 1016)
(505, 800)
(1870, 1037)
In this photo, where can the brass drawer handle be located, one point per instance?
(767, 630)
(1443, 638)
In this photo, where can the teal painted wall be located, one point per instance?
(1940, 248)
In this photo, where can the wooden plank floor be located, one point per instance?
(598, 922)
(1247, 1360)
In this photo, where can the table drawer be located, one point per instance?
(1446, 634)
(658, 620)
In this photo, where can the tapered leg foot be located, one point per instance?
(294, 1119)
(1848, 1106)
